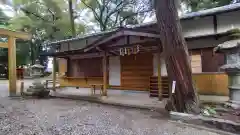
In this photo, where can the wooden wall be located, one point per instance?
(211, 62)
(136, 70)
(196, 61)
(91, 67)
(207, 84)
(83, 72)
(62, 66)
(79, 82)
(211, 83)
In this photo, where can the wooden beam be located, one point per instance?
(159, 77)
(145, 42)
(54, 73)
(142, 34)
(105, 74)
(99, 48)
(121, 33)
(68, 66)
(4, 45)
(15, 34)
(104, 40)
(12, 66)
(215, 24)
(86, 55)
(114, 53)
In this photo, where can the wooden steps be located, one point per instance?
(153, 88)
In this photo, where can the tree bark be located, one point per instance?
(71, 18)
(177, 58)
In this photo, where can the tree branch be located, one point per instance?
(119, 7)
(102, 8)
(116, 9)
(93, 10)
(35, 14)
(133, 14)
(97, 17)
(116, 20)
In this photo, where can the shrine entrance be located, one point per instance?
(136, 70)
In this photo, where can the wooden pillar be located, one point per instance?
(159, 77)
(12, 70)
(68, 67)
(105, 73)
(54, 73)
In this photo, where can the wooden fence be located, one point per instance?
(207, 83)
(211, 83)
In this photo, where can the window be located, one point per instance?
(91, 67)
(196, 62)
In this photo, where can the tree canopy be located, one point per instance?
(110, 14)
(49, 20)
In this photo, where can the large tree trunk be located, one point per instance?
(71, 18)
(176, 56)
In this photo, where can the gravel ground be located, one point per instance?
(69, 117)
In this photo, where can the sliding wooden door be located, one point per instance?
(136, 71)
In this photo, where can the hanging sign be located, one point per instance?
(129, 50)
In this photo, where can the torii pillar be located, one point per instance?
(11, 45)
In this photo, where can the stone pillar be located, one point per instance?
(234, 86)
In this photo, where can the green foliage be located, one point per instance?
(196, 5)
(46, 20)
(110, 14)
(234, 34)
(3, 18)
(22, 53)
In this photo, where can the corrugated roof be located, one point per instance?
(202, 13)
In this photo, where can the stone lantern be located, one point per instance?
(37, 88)
(231, 49)
(37, 70)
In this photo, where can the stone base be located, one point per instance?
(234, 94)
(52, 93)
(13, 94)
(233, 104)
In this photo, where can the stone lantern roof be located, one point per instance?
(37, 66)
(231, 67)
(228, 46)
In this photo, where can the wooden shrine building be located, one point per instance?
(131, 58)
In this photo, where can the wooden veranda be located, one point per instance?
(11, 45)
